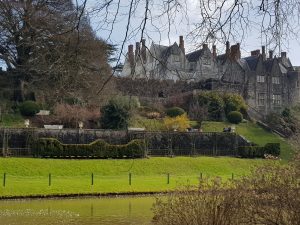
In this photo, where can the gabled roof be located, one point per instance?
(194, 56)
(282, 68)
(158, 50)
(252, 62)
(286, 63)
(269, 64)
(243, 63)
(169, 50)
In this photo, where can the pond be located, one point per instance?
(78, 211)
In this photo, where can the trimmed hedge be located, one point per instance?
(235, 117)
(51, 147)
(255, 151)
(175, 111)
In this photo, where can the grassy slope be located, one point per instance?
(30, 176)
(253, 133)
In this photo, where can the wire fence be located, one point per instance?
(94, 179)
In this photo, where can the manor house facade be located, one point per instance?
(268, 83)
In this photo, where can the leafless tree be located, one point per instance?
(50, 45)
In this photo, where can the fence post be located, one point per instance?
(201, 177)
(49, 183)
(129, 178)
(4, 179)
(232, 176)
(92, 178)
(168, 178)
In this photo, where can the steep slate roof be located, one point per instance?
(159, 50)
(252, 62)
(286, 63)
(282, 68)
(168, 51)
(269, 64)
(194, 56)
(243, 63)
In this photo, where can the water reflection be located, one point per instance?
(88, 211)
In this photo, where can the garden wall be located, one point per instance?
(16, 142)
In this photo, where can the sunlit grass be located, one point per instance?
(26, 177)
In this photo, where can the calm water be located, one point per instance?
(85, 211)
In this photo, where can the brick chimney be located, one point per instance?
(143, 51)
(181, 44)
(130, 55)
(270, 54)
(137, 49)
(283, 54)
(235, 52)
(227, 49)
(214, 51)
(255, 52)
(263, 50)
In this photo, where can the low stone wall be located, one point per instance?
(16, 142)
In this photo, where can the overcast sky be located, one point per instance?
(157, 30)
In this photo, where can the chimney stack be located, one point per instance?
(143, 50)
(137, 49)
(263, 49)
(214, 51)
(270, 54)
(239, 50)
(130, 55)
(255, 52)
(227, 49)
(235, 52)
(283, 54)
(181, 44)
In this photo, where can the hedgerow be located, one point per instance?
(51, 147)
(255, 151)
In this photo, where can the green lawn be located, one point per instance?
(12, 120)
(253, 133)
(26, 177)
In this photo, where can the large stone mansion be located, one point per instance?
(268, 83)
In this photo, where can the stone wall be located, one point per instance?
(16, 142)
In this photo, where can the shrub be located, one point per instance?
(259, 151)
(234, 102)
(50, 147)
(251, 151)
(175, 111)
(286, 113)
(180, 123)
(114, 116)
(127, 102)
(272, 149)
(235, 117)
(73, 101)
(214, 103)
(70, 115)
(29, 108)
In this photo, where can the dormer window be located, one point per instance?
(275, 80)
(260, 79)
